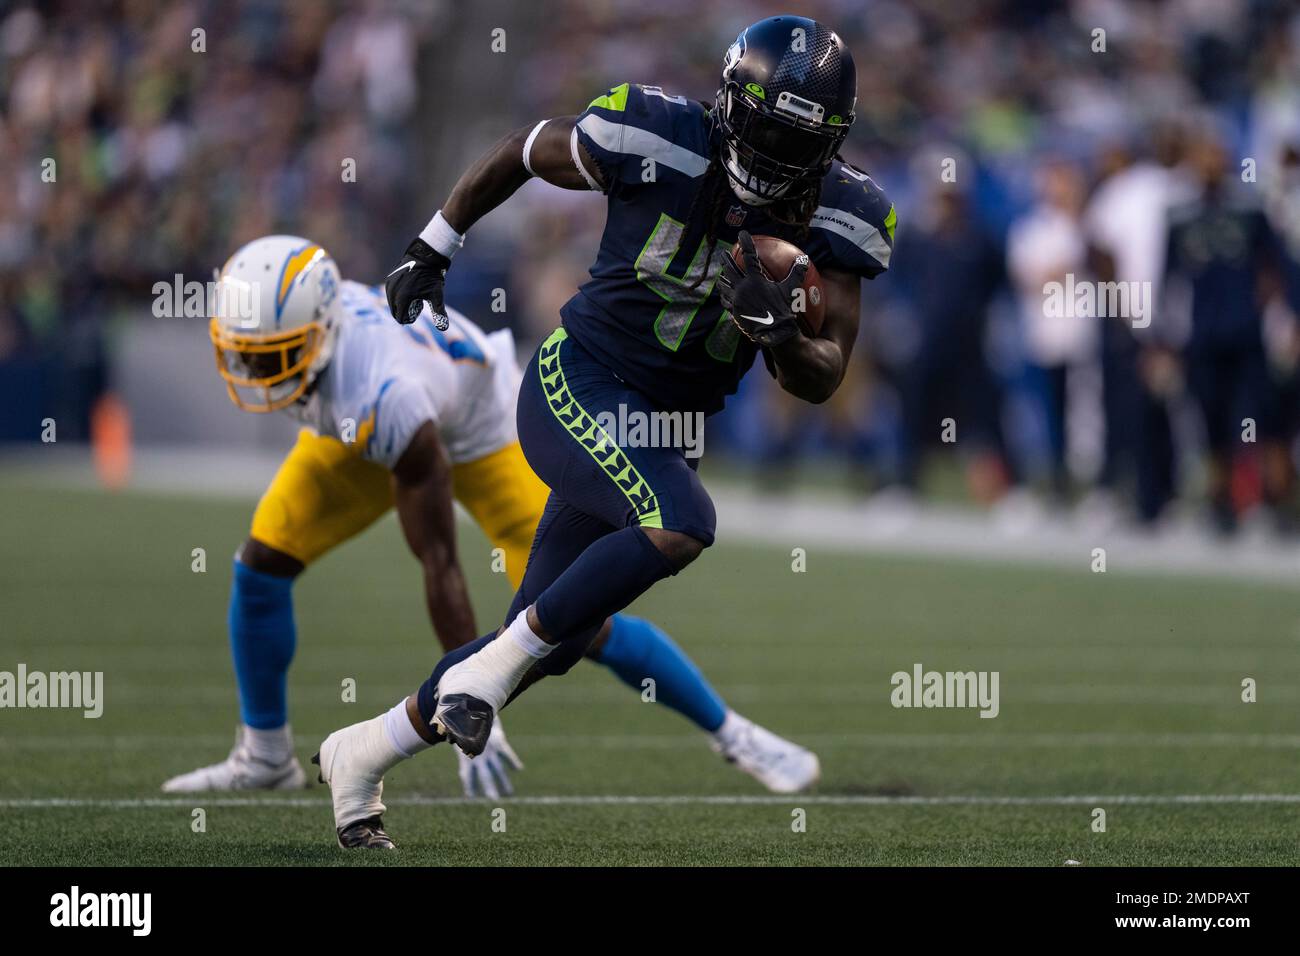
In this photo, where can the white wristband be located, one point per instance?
(439, 234)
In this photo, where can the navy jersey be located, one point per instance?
(1220, 247)
(649, 311)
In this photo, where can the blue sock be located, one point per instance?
(636, 649)
(262, 640)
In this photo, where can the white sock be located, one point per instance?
(731, 725)
(493, 673)
(356, 770)
(374, 747)
(406, 740)
(273, 746)
(523, 635)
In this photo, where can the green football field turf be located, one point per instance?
(1118, 691)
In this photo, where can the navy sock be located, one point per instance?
(426, 698)
(608, 576)
(262, 641)
(635, 650)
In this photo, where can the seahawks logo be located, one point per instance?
(734, 53)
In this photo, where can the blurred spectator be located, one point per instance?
(947, 268)
(1048, 246)
(1282, 328)
(1222, 246)
(1127, 226)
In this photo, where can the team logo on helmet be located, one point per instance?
(734, 53)
(296, 268)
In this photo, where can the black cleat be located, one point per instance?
(366, 834)
(464, 720)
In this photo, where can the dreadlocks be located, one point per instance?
(711, 196)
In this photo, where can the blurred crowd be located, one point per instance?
(142, 139)
(1025, 143)
(1149, 144)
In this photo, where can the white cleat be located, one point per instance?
(240, 771)
(353, 762)
(776, 763)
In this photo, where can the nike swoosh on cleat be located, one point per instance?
(409, 264)
(761, 319)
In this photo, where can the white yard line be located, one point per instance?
(848, 800)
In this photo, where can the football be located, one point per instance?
(777, 257)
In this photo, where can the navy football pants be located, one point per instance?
(599, 489)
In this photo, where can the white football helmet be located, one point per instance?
(274, 320)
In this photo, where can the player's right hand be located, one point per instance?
(417, 280)
(760, 307)
(487, 775)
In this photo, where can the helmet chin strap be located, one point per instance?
(735, 178)
(744, 195)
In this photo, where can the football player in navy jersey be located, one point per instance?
(666, 323)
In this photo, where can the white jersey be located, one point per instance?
(385, 380)
(1044, 246)
(1128, 218)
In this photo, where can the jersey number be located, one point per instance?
(659, 92)
(684, 296)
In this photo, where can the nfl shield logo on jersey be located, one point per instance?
(736, 215)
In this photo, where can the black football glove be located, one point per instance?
(763, 309)
(419, 279)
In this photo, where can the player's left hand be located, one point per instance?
(763, 309)
(486, 775)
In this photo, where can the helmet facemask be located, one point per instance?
(267, 373)
(775, 153)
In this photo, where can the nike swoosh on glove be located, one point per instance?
(763, 309)
(487, 774)
(418, 279)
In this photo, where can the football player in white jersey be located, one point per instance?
(409, 417)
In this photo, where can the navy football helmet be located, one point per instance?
(783, 108)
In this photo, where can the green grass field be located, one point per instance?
(1112, 686)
